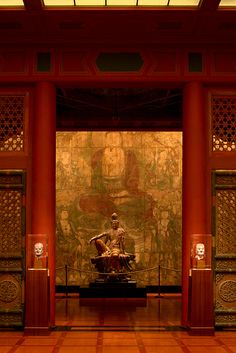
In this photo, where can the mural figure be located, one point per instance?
(115, 183)
(136, 175)
(68, 244)
(112, 257)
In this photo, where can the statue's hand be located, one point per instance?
(92, 239)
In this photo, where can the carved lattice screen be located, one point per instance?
(225, 248)
(12, 126)
(223, 118)
(12, 190)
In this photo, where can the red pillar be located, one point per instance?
(43, 175)
(196, 182)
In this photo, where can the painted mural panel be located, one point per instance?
(138, 175)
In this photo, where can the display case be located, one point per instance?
(37, 285)
(201, 318)
(37, 251)
(201, 249)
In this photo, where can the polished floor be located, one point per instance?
(119, 313)
(118, 326)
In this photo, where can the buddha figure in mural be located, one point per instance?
(112, 259)
(115, 182)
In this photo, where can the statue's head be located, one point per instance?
(200, 250)
(114, 221)
(38, 249)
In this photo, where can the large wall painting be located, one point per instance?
(138, 175)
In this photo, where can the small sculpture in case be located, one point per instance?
(37, 251)
(201, 251)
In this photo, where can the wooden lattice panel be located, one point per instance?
(224, 183)
(10, 215)
(226, 221)
(223, 123)
(12, 224)
(12, 123)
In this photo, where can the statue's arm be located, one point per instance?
(97, 237)
(122, 240)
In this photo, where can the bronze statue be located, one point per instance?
(112, 259)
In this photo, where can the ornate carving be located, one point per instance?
(219, 306)
(226, 221)
(8, 319)
(8, 179)
(11, 254)
(225, 281)
(227, 291)
(225, 180)
(11, 220)
(8, 291)
(223, 123)
(225, 320)
(227, 265)
(219, 277)
(11, 263)
(12, 123)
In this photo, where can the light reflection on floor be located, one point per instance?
(118, 326)
(121, 313)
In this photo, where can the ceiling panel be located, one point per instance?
(7, 3)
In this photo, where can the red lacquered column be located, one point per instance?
(43, 175)
(195, 178)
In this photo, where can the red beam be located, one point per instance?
(32, 5)
(209, 5)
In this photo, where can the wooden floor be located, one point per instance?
(118, 326)
(119, 313)
(117, 342)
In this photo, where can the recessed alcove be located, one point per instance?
(147, 123)
(138, 109)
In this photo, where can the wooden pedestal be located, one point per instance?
(37, 302)
(201, 320)
(112, 289)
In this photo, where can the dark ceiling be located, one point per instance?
(119, 108)
(35, 24)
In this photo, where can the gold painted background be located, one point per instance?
(136, 174)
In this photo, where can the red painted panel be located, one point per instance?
(201, 302)
(225, 62)
(164, 62)
(15, 62)
(37, 306)
(73, 61)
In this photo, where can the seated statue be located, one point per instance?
(112, 259)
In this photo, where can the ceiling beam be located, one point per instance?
(209, 5)
(33, 5)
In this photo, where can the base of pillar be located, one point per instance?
(119, 289)
(201, 331)
(37, 331)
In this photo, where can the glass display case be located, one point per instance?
(201, 249)
(37, 252)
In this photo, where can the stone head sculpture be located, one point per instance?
(38, 249)
(200, 251)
